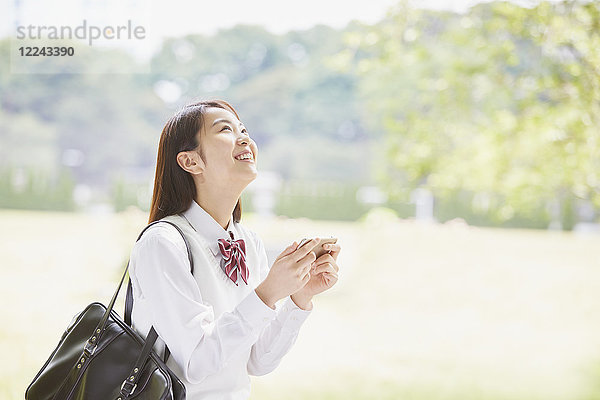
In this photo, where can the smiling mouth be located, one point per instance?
(247, 157)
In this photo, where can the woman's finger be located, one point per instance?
(331, 279)
(288, 250)
(324, 258)
(333, 248)
(301, 252)
(327, 258)
(326, 267)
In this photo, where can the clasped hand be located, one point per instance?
(297, 272)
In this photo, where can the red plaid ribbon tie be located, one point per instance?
(234, 255)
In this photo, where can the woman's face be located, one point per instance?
(223, 138)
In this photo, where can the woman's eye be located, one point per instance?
(229, 128)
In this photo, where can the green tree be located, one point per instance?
(502, 101)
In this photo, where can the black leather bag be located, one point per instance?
(100, 357)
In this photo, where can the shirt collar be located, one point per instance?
(208, 227)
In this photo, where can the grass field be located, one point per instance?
(420, 312)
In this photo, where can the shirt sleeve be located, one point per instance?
(278, 337)
(200, 344)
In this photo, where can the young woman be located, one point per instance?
(220, 324)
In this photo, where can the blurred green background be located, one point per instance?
(493, 112)
(465, 144)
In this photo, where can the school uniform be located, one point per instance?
(218, 332)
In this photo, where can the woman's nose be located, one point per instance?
(244, 139)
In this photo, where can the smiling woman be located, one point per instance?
(180, 142)
(221, 322)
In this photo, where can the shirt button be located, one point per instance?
(265, 319)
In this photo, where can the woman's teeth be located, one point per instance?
(246, 156)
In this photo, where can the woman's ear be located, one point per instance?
(190, 161)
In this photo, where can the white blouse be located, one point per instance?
(218, 333)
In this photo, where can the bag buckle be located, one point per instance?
(128, 391)
(89, 348)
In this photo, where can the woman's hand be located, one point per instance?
(289, 273)
(323, 275)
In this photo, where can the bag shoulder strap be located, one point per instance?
(129, 296)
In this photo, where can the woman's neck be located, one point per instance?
(220, 207)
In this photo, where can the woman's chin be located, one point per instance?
(254, 175)
(249, 175)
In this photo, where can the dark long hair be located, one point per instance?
(174, 188)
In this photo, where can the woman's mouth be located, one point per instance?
(246, 157)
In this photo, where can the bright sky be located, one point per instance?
(281, 16)
(163, 18)
(175, 17)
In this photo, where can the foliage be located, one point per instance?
(31, 188)
(496, 111)
(319, 200)
(503, 101)
(107, 118)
